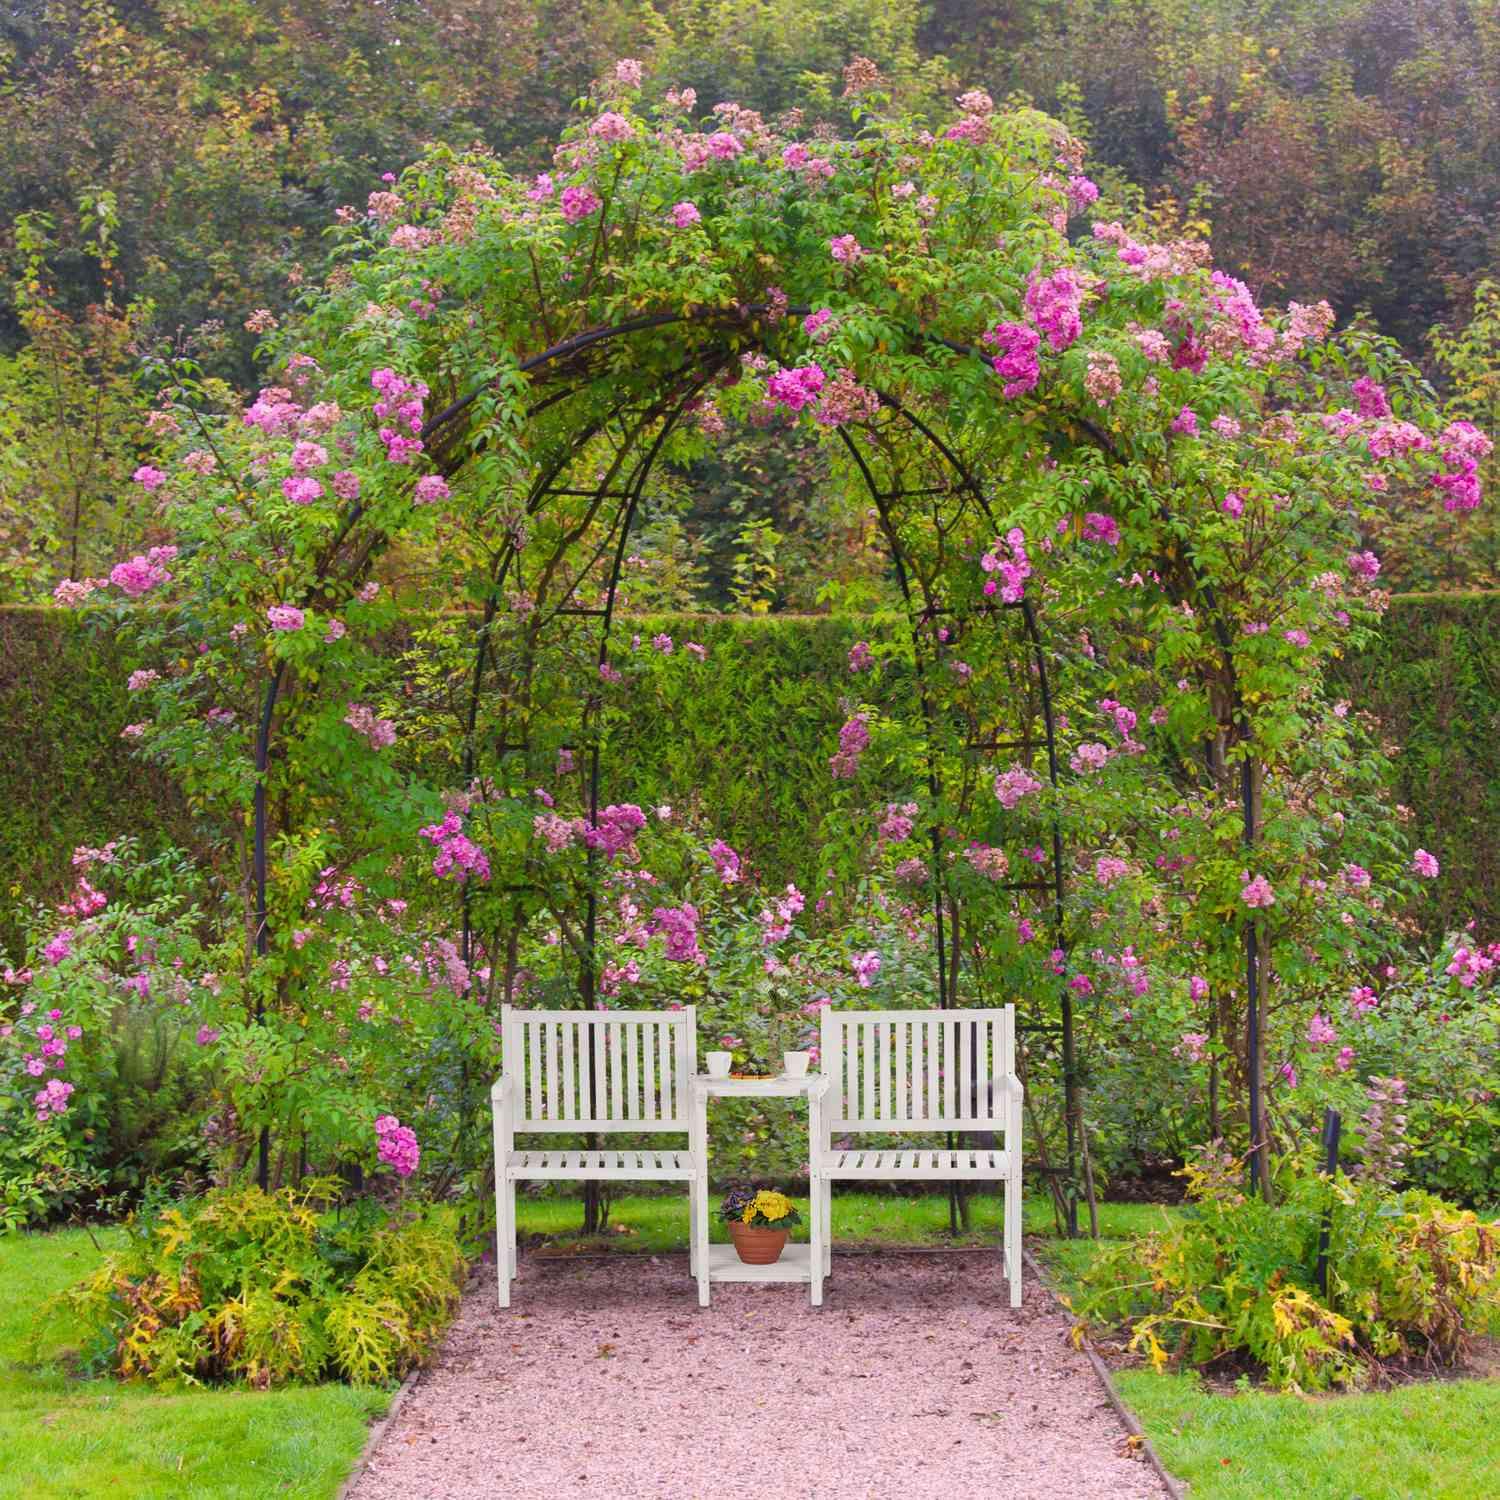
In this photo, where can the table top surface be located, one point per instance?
(781, 1085)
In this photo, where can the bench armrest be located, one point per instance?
(503, 1088)
(1010, 1087)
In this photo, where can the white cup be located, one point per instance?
(718, 1064)
(796, 1063)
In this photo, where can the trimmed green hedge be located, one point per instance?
(1434, 681)
(65, 777)
(745, 743)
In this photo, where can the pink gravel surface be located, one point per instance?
(603, 1378)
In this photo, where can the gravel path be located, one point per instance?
(914, 1381)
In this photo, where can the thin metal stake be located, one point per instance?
(1332, 1123)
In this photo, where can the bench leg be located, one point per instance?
(825, 1206)
(512, 1219)
(505, 1209)
(1013, 1212)
(815, 1249)
(700, 1238)
(692, 1228)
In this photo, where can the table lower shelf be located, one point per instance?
(795, 1265)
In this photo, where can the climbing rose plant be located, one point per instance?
(1178, 480)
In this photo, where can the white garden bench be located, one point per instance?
(917, 1072)
(610, 1072)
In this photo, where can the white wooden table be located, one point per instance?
(797, 1262)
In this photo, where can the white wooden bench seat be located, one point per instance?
(920, 1072)
(579, 1073)
(889, 1165)
(580, 1165)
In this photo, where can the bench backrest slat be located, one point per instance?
(917, 1069)
(600, 1070)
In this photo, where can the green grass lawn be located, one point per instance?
(1439, 1440)
(65, 1438)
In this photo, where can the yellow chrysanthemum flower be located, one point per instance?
(773, 1205)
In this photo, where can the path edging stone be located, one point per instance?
(407, 1386)
(1175, 1487)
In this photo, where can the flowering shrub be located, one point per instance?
(103, 1083)
(271, 1289)
(1409, 1277)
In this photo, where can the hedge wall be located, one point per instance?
(1434, 681)
(747, 743)
(65, 777)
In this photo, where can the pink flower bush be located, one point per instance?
(379, 733)
(285, 617)
(1101, 528)
(726, 862)
(52, 1099)
(611, 126)
(796, 388)
(1320, 1031)
(1014, 786)
(854, 740)
(301, 489)
(1009, 566)
(678, 926)
(1089, 758)
(1425, 865)
(1052, 306)
(1191, 1046)
(865, 967)
(1016, 363)
(614, 834)
(579, 203)
(144, 572)
(396, 1145)
(983, 859)
(1258, 893)
(684, 214)
(456, 854)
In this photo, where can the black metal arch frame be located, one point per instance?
(649, 423)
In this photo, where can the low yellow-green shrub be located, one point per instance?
(1409, 1276)
(273, 1288)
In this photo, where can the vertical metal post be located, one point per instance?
(1259, 1177)
(1332, 1123)
(262, 938)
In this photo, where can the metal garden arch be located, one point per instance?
(910, 473)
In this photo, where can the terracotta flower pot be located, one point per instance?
(757, 1246)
